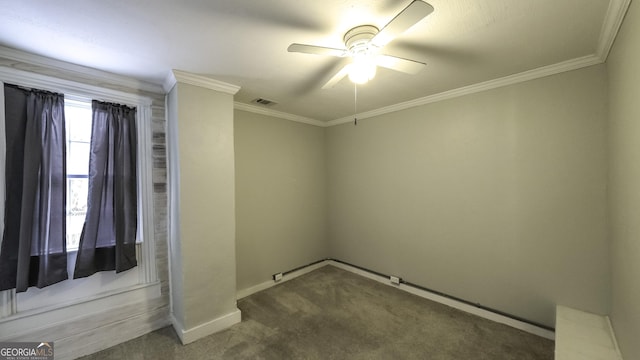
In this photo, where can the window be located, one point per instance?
(26, 311)
(78, 135)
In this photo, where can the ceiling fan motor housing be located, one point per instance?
(357, 40)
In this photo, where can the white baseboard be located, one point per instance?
(614, 340)
(489, 315)
(532, 329)
(290, 276)
(254, 289)
(198, 332)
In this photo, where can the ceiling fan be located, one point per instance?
(363, 44)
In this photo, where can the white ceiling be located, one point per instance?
(244, 42)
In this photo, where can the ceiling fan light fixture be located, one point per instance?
(364, 43)
(362, 69)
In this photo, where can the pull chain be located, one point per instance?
(355, 104)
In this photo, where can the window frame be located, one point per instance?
(148, 285)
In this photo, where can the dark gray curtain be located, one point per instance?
(109, 233)
(33, 251)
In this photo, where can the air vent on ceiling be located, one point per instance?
(264, 102)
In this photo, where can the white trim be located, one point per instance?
(243, 293)
(451, 303)
(278, 114)
(610, 27)
(24, 323)
(569, 65)
(176, 76)
(211, 327)
(290, 276)
(103, 76)
(44, 82)
(169, 82)
(614, 340)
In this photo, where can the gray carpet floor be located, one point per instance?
(334, 314)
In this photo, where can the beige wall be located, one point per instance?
(280, 196)
(498, 197)
(202, 188)
(624, 157)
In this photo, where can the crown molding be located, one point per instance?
(612, 21)
(278, 114)
(610, 27)
(176, 76)
(564, 66)
(78, 70)
(609, 30)
(169, 82)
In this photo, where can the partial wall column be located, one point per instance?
(201, 205)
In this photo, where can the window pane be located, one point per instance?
(77, 190)
(78, 158)
(78, 121)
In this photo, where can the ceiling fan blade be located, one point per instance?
(316, 50)
(337, 77)
(399, 64)
(408, 17)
